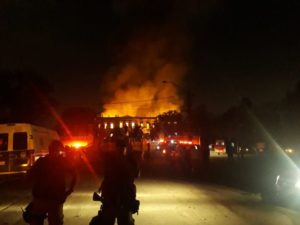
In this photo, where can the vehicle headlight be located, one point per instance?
(289, 150)
(297, 185)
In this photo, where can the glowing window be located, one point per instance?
(111, 125)
(105, 125)
(121, 124)
(132, 124)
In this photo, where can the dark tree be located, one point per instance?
(239, 123)
(78, 120)
(25, 97)
(289, 117)
(168, 123)
(202, 121)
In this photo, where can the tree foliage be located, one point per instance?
(167, 123)
(25, 97)
(289, 117)
(78, 120)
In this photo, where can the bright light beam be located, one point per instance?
(64, 126)
(274, 143)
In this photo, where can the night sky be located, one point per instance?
(231, 48)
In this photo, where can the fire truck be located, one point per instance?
(220, 147)
(170, 145)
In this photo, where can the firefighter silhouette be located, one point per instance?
(49, 176)
(117, 190)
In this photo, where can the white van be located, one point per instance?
(21, 144)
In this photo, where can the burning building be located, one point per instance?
(134, 93)
(106, 124)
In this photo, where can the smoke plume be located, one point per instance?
(135, 85)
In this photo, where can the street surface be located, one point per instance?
(165, 199)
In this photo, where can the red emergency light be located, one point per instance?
(77, 144)
(186, 142)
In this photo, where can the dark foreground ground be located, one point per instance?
(218, 192)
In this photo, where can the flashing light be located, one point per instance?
(289, 150)
(77, 144)
(24, 165)
(132, 124)
(172, 141)
(186, 142)
(158, 147)
(164, 151)
(161, 140)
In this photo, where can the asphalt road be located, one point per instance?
(164, 200)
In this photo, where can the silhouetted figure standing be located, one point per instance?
(148, 153)
(50, 189)
(230, 148)
(186, 160)
(118, 189)
(241, 151)
(205, 141)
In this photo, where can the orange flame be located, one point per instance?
(137, 84)
(149, 99)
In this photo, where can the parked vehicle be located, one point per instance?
(219, 146)
(283, 185)
(21, 144)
